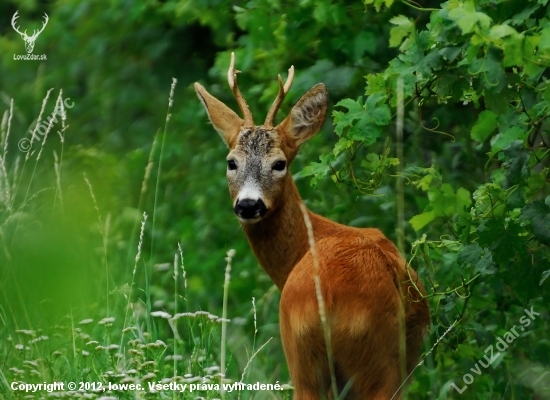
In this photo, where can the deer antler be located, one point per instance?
(283, 90)
(13, 19)
(24, 34)
(232, 79)
(35, 34)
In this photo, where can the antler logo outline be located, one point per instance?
(29, 40)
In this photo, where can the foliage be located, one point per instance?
(486, 60)
(474, 157)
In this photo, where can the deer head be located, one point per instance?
(259, 156)
(29, 40)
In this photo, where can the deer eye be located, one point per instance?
(231, 165)
(279, 166)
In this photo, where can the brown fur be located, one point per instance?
(375, 322)
(360, 272)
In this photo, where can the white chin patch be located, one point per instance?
(249, 220)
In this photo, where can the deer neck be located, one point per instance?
(280, 240)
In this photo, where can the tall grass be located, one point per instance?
(104, 317)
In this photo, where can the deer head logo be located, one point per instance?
(29, 40)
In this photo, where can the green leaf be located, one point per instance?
(544, 44)
(506, 241)
(378, 3)
(363, 121)
(524, 278)
(375, 83)
(449, 302)
(398, 69)
(450, 53)
(378, 162)
(481, 259)
(371, 162)
(494, 79)
(546, 94)
(486, 266)
(485, 124)
(424, 183)
(404, 28)
(314, 168)
(342, 145)
(364, 131)
(520, 17)
(317, 169)
(377, 110)
(353, 106)
(503, 139)
(490, 198)
(517, 164)
(422, 57)
(500, 31)
(445, 202)
(539, 214)
(421, 220)
(513, 51)
(463, 199)
(469, 254)
(463, 226)
(345, 120)
(468, 18)
(495, 102)
(536, 182)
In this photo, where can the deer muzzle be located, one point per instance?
(249, 210)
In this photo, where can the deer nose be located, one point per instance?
(248, 208)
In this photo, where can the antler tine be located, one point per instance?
(13, 22)
(283, 90)
(46, 19)
(232, 80)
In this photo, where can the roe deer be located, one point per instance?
(375, 318)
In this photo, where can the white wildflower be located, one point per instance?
(161, 314)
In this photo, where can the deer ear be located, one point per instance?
(225, 121)
(306, 117)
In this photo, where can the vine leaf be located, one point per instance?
(378, 3)
(467, 18)
(363, 120)
(504, 240)
(444, 202)
(317, 169)
(449, 302)
(345, 120)
(517, 164)
(539, 214)
(504, 139)
(404, 27)
(421, 220)
(481, 259)
(484, 126)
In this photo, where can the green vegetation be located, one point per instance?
(462, 187)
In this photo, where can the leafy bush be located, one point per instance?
(462, 187)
